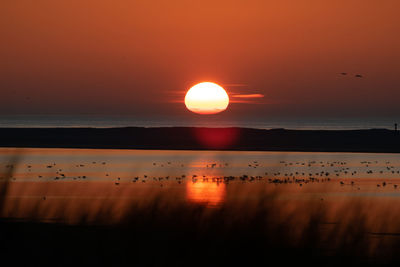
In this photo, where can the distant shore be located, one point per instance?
(193, 138)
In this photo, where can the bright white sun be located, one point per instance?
(206, 98)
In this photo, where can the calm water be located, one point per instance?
(69, 184)
(266, 123)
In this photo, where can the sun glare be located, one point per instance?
(206, 98)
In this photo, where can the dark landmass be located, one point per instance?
(192, 138)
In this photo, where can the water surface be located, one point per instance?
(69, 184)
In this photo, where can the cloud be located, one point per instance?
(244, 101)
(248, 95)
(234, 98)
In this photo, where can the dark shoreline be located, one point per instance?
(193, 138)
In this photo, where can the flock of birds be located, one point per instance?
(355, 75)
(285, 172)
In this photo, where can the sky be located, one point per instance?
(140, 57)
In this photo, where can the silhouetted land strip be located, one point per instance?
(192, 138)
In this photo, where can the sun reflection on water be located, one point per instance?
(205, 192)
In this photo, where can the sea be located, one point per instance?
(71, 184)
(23, 121)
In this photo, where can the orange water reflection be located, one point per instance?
(206, 192)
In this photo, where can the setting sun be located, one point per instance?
(206, 98)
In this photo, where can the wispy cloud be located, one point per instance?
(248, 95)
(176, 96)
(242, 101)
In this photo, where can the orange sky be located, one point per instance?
(139, 57)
